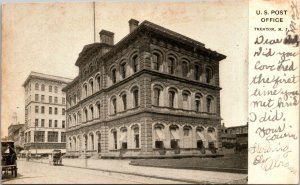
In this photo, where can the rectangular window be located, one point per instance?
(63, 100)
(50, 110)
(36, 122)
(50, 123)
(42, 98)
(55, 100)
(63, 124)
(52, 136)
(63, 137)
(55, 89)
(36, 109)
(50, 88)
(63, 111)
(42, 123)
(39, 136)
(55, 123)
(50, 99)
(36, 98)
(55, 111)
(42, 109)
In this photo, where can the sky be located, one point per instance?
(47, 38)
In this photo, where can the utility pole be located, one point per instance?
(94, 11)
(35, 139)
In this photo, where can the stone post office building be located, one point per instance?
(154, 93)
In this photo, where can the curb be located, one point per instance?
(227, 170)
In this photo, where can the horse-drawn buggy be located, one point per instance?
(8, 158)
(55, 158)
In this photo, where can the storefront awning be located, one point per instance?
(123, 137)
(175, 134)
(159, 134)
(200, 134)
(211, 137)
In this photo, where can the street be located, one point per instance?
(42, 173)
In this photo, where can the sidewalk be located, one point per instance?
(183, 175)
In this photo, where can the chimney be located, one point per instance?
(106, 37)
(133, 24)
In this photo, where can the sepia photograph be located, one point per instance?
(125, 92)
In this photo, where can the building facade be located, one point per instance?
(45, 112)
(154, 93)
(234, 139)
(16, 134)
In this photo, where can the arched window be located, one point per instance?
(43, 87)
(75, 143)
(200, 138)
(85, 140)
(187, 131)
(92, 141)
(36, 86)
(98, 141)
(74, 118)
(123, 69)
(114, 105)
(157, 90)
(172, 97)
(197, 72)
(186, 100)
(91, 67)
(135, 63)
(198, 102)
(212, 139)
(98, 80)
(113, 75)
(114, 139)
(157, 60)
(69, 120)
(74, 99)
(209, 100)
(92, 112)
(124, 100)
(136, 137)
(91, 82)
(85, 90)
(98, 105)
(208, 74)
(85, 114)
(171, 65)
(123, 137)
(135, 93)
(78, 117)
(185, 68)
(174, 133)
(159, 136)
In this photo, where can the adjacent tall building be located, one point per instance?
(45, 112)
(154, 93)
